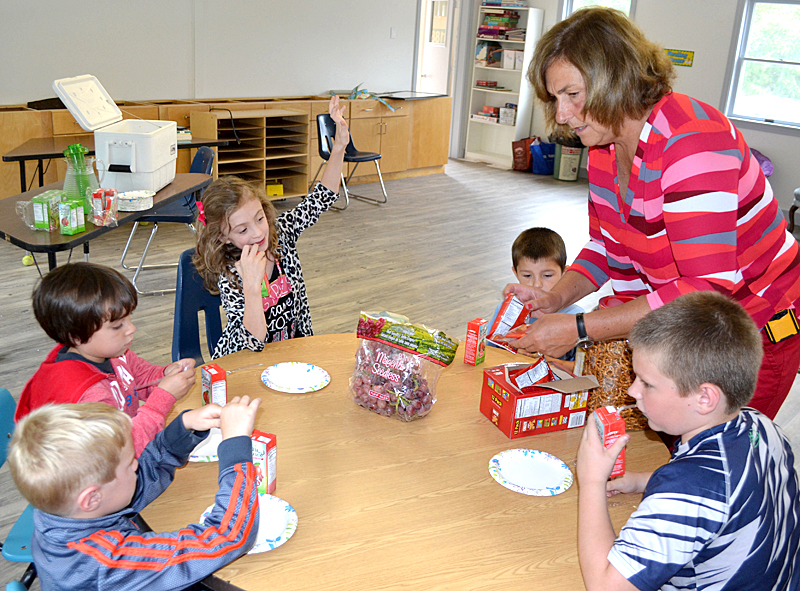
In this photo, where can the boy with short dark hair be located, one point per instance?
(86, 309)
(539, 258)
(75, 464)
(723, 513)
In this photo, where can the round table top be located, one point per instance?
(386, 504)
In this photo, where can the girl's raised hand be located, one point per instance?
(337, 114)
(251, 267)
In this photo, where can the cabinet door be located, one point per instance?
(394, 144)
(366, 134)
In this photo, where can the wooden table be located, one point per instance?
(384, 504)
(45, 148)
(15, 231)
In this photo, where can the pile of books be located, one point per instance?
(506, 3)
(515, 34)
(488, 114)
(496, 23)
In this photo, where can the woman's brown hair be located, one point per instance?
(213, 257)
(625, 74)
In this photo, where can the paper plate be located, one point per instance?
(294, 377)
(530, 472)
(135, 200)
(277, 523)
(206, 450)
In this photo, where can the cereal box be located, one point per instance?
(475, 347)
(213, 384)
(538, 408)
(265, 461)
(611, 427)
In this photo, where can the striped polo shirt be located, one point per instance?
(698, 215)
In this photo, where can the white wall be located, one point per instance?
(707, 28)
(156, 49)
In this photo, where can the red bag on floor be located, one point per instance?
(522, 154)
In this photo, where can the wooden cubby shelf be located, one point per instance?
(272, 146)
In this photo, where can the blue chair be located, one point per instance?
(326, 128)
(191, 297)
(17, 547)
(182, 211)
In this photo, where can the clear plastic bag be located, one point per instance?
(105, 206)
(398, 364)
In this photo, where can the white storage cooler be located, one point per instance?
(132, 155)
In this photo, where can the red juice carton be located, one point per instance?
(265, 461)
(213, 384)
(528, 376)
(611, 427)
(475, 348)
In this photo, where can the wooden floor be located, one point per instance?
(439, 252)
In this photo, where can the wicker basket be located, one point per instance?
(610, 362)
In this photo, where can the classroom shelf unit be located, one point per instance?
(268, 146)
(489, 141)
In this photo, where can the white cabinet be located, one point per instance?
(490, 141)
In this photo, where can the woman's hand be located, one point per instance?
(537, 301)
(251, 267)
(554, 335)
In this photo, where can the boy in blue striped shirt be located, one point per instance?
(724, 512)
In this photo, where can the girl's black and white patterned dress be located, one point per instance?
(290, 225)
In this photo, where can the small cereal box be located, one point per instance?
(214, 385)
(265, 461)
(512, 314)
(475, 349)
(611, 427)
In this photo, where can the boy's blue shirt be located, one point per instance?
(111, 552)
(724, 513)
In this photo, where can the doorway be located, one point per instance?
(433, 71)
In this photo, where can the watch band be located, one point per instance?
(583, 338)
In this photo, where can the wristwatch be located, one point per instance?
(583, 338)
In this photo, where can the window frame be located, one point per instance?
(736, 62)
(565, 9)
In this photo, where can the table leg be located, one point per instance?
(86, 251)
(51, 260)
(22, 179)
(41, 172)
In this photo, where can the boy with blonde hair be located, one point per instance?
(723, 513)
(75, 464)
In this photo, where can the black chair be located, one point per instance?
(182, 211)
(327, 132)
(191, 297)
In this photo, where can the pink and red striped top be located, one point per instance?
(698, 215)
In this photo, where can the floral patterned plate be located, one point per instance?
(295, 377)
(277, 523)
(530, 472)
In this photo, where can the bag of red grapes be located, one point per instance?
(397, 365)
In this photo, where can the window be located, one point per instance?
(625, 6)
(766, 78)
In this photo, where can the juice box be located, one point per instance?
(213, 384)
(475, 348)
(45, 210)
(70, 215)
(611, 427)
(265, 461)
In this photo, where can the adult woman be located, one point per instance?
(677, 202)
